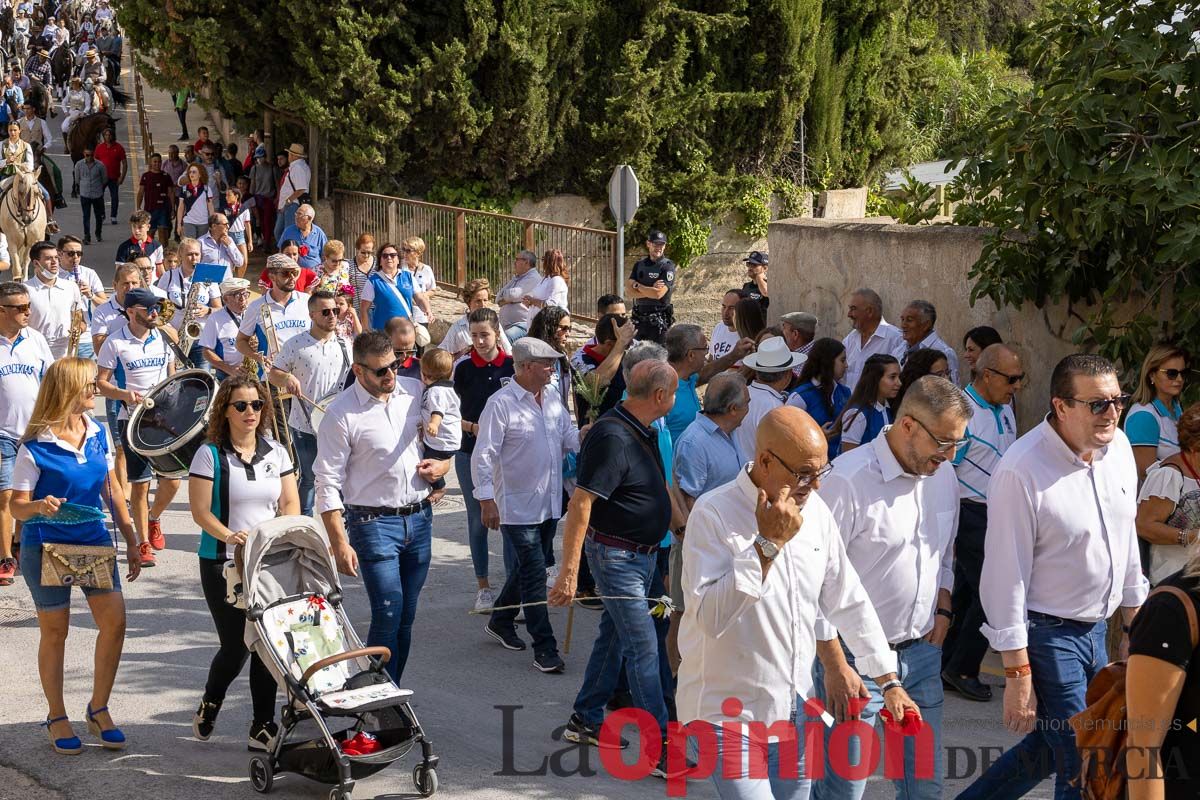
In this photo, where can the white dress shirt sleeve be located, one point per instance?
(1007, 562)
(3, 248)
(721, 583)
(486, 454)
(329, 468)
(1136, 586)
(844, 601)
(232, 254)
(837, 493)
(946, 573)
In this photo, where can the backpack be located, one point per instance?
(1100, 729)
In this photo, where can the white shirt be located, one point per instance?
(26, 471)
(1061, 537)
(110, 316)
(1183, 491)
(518, 455)
(220, 335)
(885, 339)
(214, 252)
(933, 342)
(288, 320)
(721, 343)
(854, 422)
(458, 338)
(89, 277)
(423, 281)
(198, 213)
(23, 362)
(990, 431)
(320, 367)
(177, 287)
(368, 449)
(50, 310)
(514, 311)
(899, 533)
(251, 490)
(551, 291)
(299, 176)
(137, 364)
(754, 639)
(762, 400)
(440, 398)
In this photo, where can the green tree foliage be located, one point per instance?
(1092, 179)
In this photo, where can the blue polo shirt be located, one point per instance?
(310, 246)
(687, 406)
(706, 457)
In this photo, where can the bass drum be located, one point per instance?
(168, 426)
(316, 413)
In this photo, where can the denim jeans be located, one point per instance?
(782, 781)
(305, 445)
(626, 635)
(1065, 656)
(393, 559)
(921, 672)
(114, 194)
(92, 205)
(514, 332)
(527, 583)
(285, 217)
(477, 535)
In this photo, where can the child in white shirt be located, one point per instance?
(441, 414)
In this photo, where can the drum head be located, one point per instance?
(180, 411)
(317, 412)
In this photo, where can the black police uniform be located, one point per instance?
(653, 317)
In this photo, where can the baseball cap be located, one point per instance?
(656, 237)
(757, 258)
(141, 297)
(529, 348)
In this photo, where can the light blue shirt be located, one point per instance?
(706, 457)
(687, 406)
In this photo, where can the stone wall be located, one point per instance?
(817, 264)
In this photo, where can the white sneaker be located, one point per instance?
(551, 576)
(484, 599)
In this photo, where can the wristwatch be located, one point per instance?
(768, 548)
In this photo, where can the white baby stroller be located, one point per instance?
(298, 628)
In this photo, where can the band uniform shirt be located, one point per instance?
(137, 364)
(50, 307)
(220, 335)
(289, 319)
(23, 362)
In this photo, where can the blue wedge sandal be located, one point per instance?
(67, 745)
(111, 739)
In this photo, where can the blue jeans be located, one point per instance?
(527, 583)
(788, 783)
(626, 635)
(305, 445)
(8, 457)
(114, 195)
(393, 559)
(1064, 656)
(921, 672)
(477, 534)
(514, 332)
(285, 217)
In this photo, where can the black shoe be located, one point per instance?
(262, 736)
(99, 238)
(619, 700)
(661, 770)
(550, 662)
(580, 732)
(586, 598)
(205, 720)
(970, 688)
(87, 240)
(508, 639)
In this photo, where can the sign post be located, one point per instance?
(623, 201)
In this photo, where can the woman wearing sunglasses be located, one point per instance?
(239, 479)
(1150, 423)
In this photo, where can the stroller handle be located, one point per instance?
(384, 653)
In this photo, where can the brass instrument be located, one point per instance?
(78, 326)
(189, 327)
(275, 400)
(166, 311)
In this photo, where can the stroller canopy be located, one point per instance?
(287, 556)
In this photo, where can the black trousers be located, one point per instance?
(965, 646)
(231, 655)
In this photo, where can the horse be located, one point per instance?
(86, 132)
(62, 60)
(22, 219)
(39, 97)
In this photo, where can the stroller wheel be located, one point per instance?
(425, 779)
(262, 776)
(339, 794)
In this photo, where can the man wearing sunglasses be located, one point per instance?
(1061, 557)
(24, 358)
(895, 501)
(372, 491)
(218, 339)
(990, 432)
(288, 307)
(311, 365)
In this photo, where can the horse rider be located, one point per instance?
(38, 67)
(17, 154)
(34, 129)
(21, 25)
(101, 96)
(13, 93)
(20, 79)
(77, 103)
(93, 68)
(51, 177)
(110, 44)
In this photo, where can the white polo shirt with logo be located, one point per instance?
(290, 319)
(137, 364)
(23, 362)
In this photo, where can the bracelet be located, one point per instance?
(1185, 538)
(894, 683)
(1018, 672)
(944, 613)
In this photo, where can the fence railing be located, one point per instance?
(139, 97)
(463, 244)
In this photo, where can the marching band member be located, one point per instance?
(139, 357)
(219, 337)
(177, 283)
(51, 299)
(288, 307)
(218, 246)
(91, 288)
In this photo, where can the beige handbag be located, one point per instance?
(86, 566)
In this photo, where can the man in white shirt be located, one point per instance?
(373, 491)
(288, 311)
(895, 501)
(177, 283)
(132, 361)
(772, 364)
(217, 246)
(24, 359)
(52, 298)
(516, 468)
(310, 366)
(872, 334)
(917, 322)
(219, 336)
(990, 432)
(91, 288)
(296, 180)
(1060, 558)
(725, 336)
(761, 561)
(514, 314)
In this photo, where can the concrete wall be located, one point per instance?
(817, 264)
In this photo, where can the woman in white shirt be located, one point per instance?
(867, 413)
(195, 203)
(1168, 515)
(552, 291)
(1150, 423)
(412, 250)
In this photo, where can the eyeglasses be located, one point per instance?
(241, 405)
(239, 295)
(942, 373)
(219, 225)
(288, 273)
(327, 312)
(392, 254)
(943, 445)
(1173, 374)
(150, 312)
(404, 354)
(366, 252)
(1098, 407)
(395, 366)
(803, 479)
(1013, 380)
(75, 253)
(23, 308)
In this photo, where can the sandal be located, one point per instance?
(111, 739)
(67, 745)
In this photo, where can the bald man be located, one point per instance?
(762, 558)
(991, 430)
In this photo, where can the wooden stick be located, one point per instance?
(570, 626)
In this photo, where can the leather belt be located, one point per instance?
(370, 512)
(898, 646)
(623, 544)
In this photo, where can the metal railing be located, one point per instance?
(140, 99)
(462, 244)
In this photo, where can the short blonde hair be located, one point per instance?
(334, 249)
(437, 364)
(416, 243)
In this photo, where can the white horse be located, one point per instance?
(22, 219)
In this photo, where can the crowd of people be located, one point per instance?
(856, 520)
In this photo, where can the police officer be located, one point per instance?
(650, 284)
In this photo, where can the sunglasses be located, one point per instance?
(150, 312)
(382, 371)
(1173, 374)
(1013, 380)
(1098, 407)
(76, 253)
(240, 406)
(943, 445)
(803, 479)
(288, 273)
(93, 388)
(407, 250)
(23, 308)
(327, 312)
(393, 254)
(403, 354)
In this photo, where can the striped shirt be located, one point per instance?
(991, 430)
(1152, 425)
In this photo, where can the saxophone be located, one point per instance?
(189, 327)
